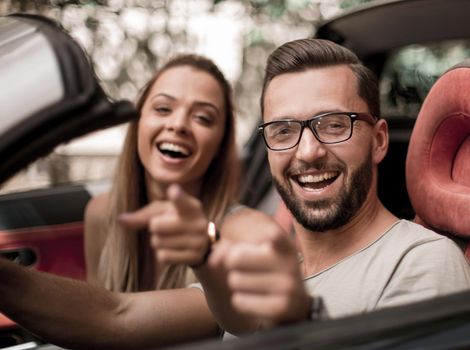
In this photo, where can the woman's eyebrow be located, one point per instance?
(196, 103)
(162, 94)
(206, 104)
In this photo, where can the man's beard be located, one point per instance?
(335, 212)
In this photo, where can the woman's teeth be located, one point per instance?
(174, 150)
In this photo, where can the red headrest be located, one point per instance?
(438, 160)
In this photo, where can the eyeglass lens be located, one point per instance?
(332, 128)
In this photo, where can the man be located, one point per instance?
(320, 107)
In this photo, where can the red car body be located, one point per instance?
(43, 229)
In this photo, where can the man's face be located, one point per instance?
(322, 185)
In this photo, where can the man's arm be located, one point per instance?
(265, 284)
(77, 315)
(244, 226)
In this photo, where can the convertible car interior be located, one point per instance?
(35, 119)
(438, 160)
(54, 104)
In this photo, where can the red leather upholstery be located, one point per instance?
(438, 160)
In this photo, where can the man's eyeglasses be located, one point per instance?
(333, 127)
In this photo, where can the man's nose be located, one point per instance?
(309, 148)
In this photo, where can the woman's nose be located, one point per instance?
(179, 122)
(309, 148)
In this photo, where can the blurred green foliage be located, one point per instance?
(128, 39)
(347, 4)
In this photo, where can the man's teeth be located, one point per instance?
(171, 147)
(316, 178)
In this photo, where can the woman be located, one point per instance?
(177, 172)
(185, 135)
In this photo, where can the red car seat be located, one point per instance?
(438, 158)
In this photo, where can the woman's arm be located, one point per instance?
(179, 236)
(77, 315)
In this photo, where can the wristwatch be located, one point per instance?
(317, 310)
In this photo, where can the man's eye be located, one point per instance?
(282, 130)
(335, 126)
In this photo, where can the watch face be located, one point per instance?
(317, 309)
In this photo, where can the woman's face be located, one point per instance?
(181, 126)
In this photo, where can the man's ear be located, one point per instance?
(379, 141)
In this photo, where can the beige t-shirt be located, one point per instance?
(407, 263)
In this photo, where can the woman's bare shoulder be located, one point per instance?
(95, 233)
(96, 209)
(96, 218)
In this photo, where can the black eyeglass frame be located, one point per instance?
(353, 116)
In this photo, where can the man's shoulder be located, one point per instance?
(411, 236)
(406, 230)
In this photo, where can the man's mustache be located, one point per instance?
(315, 167)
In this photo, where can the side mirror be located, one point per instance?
(49, 92)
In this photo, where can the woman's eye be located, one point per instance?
(162, 110)
(205, 119)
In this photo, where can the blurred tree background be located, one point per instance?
(128, 39)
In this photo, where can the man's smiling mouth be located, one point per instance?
(174, 150)
(317, 181)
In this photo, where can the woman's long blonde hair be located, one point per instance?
(127, 261)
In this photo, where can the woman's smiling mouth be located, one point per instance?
(173, 150)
